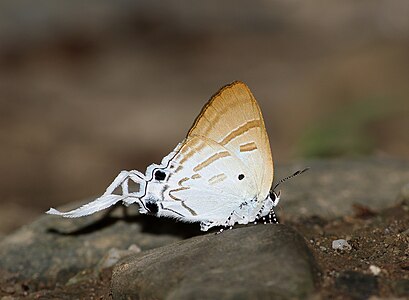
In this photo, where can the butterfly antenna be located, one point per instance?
(289, 177)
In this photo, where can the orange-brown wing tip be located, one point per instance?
(236, 83)
(228, 86)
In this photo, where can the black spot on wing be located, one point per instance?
(160, 175)
(152, 207)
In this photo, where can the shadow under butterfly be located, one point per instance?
(219, 175)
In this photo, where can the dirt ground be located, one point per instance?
(379, 239)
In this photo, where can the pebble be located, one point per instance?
(341, 244)
(375, 270)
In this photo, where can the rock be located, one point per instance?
(114, 255)
(108, 261)
(331, 187)
(404, 194)
(253, 262)
(356, 285)
(53, 249)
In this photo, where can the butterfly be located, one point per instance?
(219, 175)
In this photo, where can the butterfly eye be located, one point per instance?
(241, 176)
(160, 175)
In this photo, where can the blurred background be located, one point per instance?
(88, 89)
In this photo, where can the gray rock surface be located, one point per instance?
(53, 249)
(254, 262)
(331, 187)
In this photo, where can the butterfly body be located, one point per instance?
(219, 175)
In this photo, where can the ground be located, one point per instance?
(377, 238)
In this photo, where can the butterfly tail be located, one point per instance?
(101, 203)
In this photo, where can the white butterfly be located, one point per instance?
(219, 175)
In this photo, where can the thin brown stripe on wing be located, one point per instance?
(211, 159)
(240, 130)
(217, 178)
(248, 147)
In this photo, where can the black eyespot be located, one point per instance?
(160, 175)
(241, 176)
(153, 207)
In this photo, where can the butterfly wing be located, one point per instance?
(233, 119)
(224, 163)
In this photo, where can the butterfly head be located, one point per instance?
(275, 197)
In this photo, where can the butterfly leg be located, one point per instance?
(205, 225)
(258, 216)
(227, 223)
(272, 217)
(220, 231)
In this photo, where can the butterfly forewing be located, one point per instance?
(233, 119)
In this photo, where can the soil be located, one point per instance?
(380, 239)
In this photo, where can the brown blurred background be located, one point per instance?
(90, 88)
